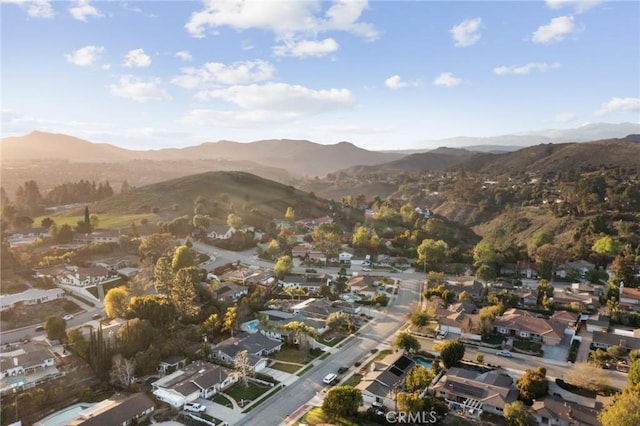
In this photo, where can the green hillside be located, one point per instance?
(222, 190)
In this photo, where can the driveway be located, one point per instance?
(558, 353)
(221, 412)
(281, 376)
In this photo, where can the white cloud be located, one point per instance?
(447, 79)
(129, 87)
(293, 100)
(467, 32)
(218, 73)
(565, 117)
(82, 9)
(85, 56)
(578, 5)
(304, 48)
(525, 69)
(395, 82)
(620, 105)
(555, 30)
(184, 55)
(284, 18)
(35, 8)
(136, 58)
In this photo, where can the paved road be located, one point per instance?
(379, 331)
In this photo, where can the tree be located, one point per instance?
(156, 309)
(407, 342)
(544, 290)
(361, 237)
(486, 273)
(380, 299)
(607, 245)
(533, 384)
(157, 245)
(418, 379)
(464, 296)
(327, 238)
(211, 326)
(55, 327)
(431, 253)
(234, 221)
(518, 414)
(480, 357)
(548, 257)
(485, 254)
(587, 376)
(283, 266)
(201, 221)
(122, 371)
(273, 248)
(182, 293)
(183, 257)
(624, 410)
(244, 367)
(116, 302)
(336, 320)
(303, 333)
(163, 274)
(341, 401)
(451, 352)
(634, 373)
(290, 215)
(420, 318)
(230, 320)
(135, 336)
(94, 221)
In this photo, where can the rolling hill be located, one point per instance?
(238, 189)
(438, 159)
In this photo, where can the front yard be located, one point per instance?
(287, 368)
(243, 394)
(352, 381)
(316, 416)
(331, 339)
(295, 356)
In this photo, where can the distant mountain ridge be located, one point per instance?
(298, 157)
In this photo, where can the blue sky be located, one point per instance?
(382, 75)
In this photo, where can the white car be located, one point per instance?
(506, 354)
(330, 378)
(67, 317)
(195, 407)
(366, 269)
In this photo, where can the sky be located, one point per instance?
(379, 74)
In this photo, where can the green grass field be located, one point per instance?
(316, 416)
(287, 368)
(107, 221)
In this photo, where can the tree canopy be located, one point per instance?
(407, 342)
(451, 352)
(341, 401)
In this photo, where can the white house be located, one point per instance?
(220, 232)
(345, 257)
(83, 277)
(30, 297)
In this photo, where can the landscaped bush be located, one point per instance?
(573, 351)
(574, 389)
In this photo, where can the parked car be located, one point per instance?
(67, 317)
(311, 270)
(503, 353)
(366, 269)
(330, 378)
(342, 369)
(96, 316)
(40, 328)
(195, 407)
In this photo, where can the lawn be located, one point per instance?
(316, 416)
(222, 400)
(294, 355)
(352, 381)
(26, 315)
(239, 392)
(383, 354)
(287, 368)
(331, 341)
(527, 346)
(494, 339)
(106, 221)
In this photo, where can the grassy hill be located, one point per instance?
(236, 190)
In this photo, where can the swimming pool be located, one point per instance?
(426, 363)
(251, 326)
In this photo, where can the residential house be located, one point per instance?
(309, 224)
(476, 392)
(84, 277)
(629, 298)
(257, 346)
(119, 262)
(527, 270)
(527, 325)
(555, 411)
(170, 364)
(456, 320)
(229, 291)
(345, 257)
(273, 322)
(604, 340)
(118, 410)
(365, 285)
(197, 380)
(583, 287)
(220, 231)
(598, 322)
(577, 268)
(322, 308)
(385, 379)
(307, 251)
(568, 299)
(98, 236)
(28, 235)
(309, 282)
(20, 360)
(473, 287)
(32, 296)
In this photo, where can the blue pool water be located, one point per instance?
(252, 326)
(426, 363)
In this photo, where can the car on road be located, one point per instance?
(67, 317)
(330, 378)
(342, 369)
(96, 316)
(505, 354)
(366, 269)
(195, 407)
(40, 328)
(311, 270)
